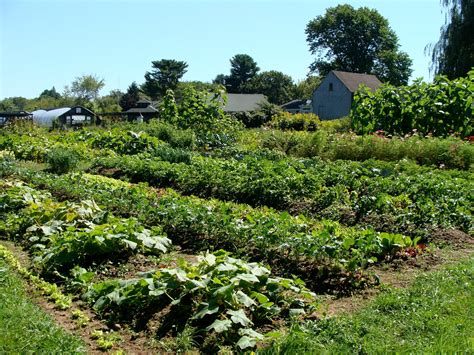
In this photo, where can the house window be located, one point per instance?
(78, 110)
(330, 87)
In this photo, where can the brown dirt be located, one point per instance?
(453, 237)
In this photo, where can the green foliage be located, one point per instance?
(86, 88)
(276, 86)
(175, 137)
(434, 315)
(64, 234)
(203, 113)
(124, 142)
(357, 40)
(442, 108)
(258, 118)
(295, 121)
(304, 89)
(62, 160)
(25, 327)
(338, 125)
(453, 55)
(243, 69)
(223, 295)
(164, 76)
(130, 98)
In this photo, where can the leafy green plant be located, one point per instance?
(62, 160)
(442, 108)
(297, 121)
(227, 296)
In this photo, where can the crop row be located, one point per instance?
(63, 234)
(316, 251)
(402, 197)
(219, 295)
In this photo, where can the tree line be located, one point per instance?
(344, 38)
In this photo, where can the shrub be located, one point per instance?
(335, 126)
(62, 160)
(203, 113)
(296, 122)
(177, 138)
(260, 117)
(285, 142)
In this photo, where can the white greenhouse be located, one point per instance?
(64, 116)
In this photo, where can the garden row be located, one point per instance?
(165, 141)
(400, 197)
(325, 254)
(222, 299)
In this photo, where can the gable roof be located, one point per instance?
(148, 109)
(244, 102)
(293, 104)
(353, 80)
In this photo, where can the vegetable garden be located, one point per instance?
(225, 239)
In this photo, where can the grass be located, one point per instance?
(24, 327)
(433, 315)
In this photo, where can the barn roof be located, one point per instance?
(353, 80)
(148, 109)
(244, 102)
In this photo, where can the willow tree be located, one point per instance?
(453, 54)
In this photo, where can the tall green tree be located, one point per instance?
(110, 102)
(50, 93)
(243, 68)
(304, 89)
(276, 86)
(453, 54)
(165, 75)
(86, 88)
(130, 98)
(357, 40)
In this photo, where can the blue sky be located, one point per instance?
(45, 43)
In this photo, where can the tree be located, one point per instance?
(242, 69)
(358, 41)
(304, 89)
(130, 98)
(165, 75)
(220, 79)
(17, 103)
(275, 85)
(50, 93)
(109, 103)
(86, 88)
(453, 54)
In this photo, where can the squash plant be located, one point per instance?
(227, 297)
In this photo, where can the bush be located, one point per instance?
(285, 142)
(296, 121)
(62, 160)
(336, 126)
(258, 118)
(177, 138)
